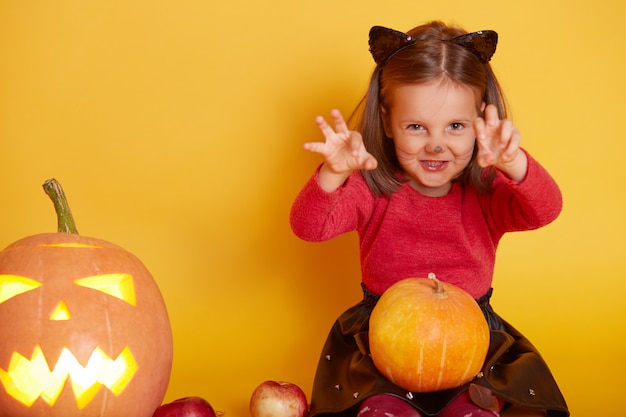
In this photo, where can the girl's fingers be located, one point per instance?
(479, 128)
(492, 119)
(340, 123)
(506, 130)
(314, 147)
(343, 149)
(498, 140)
(327, 131)
(356, 143)
(340, 129)
(512, 147)
(370, 163)
(509, 140)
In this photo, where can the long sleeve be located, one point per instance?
(530, 204)
(317, 215)
(411, 235)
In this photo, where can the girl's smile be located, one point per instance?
(434, 165)
(432, 129)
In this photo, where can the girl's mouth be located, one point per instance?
(434, 165)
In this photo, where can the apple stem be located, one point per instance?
(64, 215)
(439, 290)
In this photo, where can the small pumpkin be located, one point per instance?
(85, 330)
(426, 335)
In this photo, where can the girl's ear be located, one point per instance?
(482, 107)
(386, 124)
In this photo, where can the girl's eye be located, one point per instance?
(415, 126)
(457, 126)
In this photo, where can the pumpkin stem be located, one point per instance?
(439, 291)
(64, 214)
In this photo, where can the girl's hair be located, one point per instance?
(430, 58)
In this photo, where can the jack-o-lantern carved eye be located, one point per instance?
(118, 285)
(12, 285)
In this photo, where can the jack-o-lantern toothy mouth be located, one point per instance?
(28, 379)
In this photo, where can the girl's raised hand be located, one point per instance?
(343, 149)
(499, 144)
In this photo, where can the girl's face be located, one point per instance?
(432, 129)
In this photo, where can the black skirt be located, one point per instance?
(513, 370)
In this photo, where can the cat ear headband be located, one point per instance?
(385, 42)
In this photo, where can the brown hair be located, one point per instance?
(430, 58)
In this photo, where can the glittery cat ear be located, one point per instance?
(385, 42)
(482, 43)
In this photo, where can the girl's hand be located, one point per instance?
(499, 144)
(343, 151)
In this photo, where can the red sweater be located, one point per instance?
(410, 235)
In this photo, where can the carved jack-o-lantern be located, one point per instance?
(84, 330)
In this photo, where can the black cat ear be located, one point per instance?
(482, 43)
(385, 42)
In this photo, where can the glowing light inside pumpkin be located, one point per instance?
(70, 245)
(29, 379)
(26, 380)
(60, 312)
(116, 285)
(12, 285)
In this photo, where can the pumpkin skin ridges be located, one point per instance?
(148, 322)
(407, 338)
(116, 325)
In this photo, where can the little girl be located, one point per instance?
(431, 178)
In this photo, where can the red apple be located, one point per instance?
(186, 407)
(278, 399)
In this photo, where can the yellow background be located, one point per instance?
(175, 127)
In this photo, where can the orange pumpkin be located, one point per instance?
(426, 335)
(84, 332)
